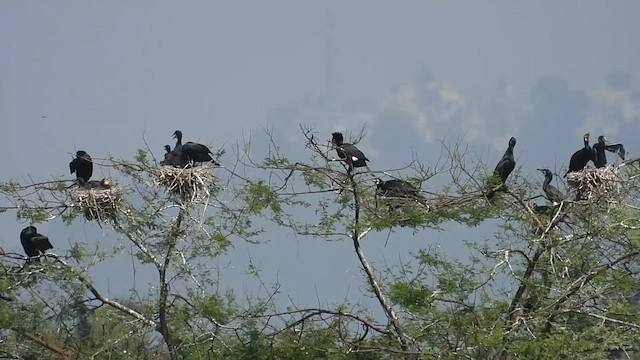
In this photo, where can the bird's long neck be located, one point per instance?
(547, 180)
(509, 152)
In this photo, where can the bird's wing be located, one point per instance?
(500, 167)
(29, 248)
(554, 194)
(72, 165)
(617, 148)
(354, 153)
(41, 242)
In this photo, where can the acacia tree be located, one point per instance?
(550, 283)
(545, 281)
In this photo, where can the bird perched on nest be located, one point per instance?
(34, 243)
(82, 165)
(348, 153)
(600, 158)
(581, 158)
(552, 193)
(505, 166)
(191, 152)
(170, 157)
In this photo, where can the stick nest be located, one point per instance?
(593, 182)
(188, 184)
(99, 203)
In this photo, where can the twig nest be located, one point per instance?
(188, 184)
(593, 182)
(98, 199)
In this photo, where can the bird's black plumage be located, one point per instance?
(397, 188)
(553, 194)
(348, 152)
(34, 243)
(177, 150)
(190, 152)
(581, 158)
(600, 158)
(197, 153)
(82, 165)
(507, 163)
(170, 157)
(505, 166)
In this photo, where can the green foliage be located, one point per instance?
(539, 288)
(260, 196)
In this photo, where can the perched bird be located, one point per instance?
(82, 165)
(170, 158)
(34, 243)
(600, 159)
(505, 165)
(348, 153)
(190, 152)
(553, 194)
(581, 158)
(397, 188)
(177, 150)
(197, 153)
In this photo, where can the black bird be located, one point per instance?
(397, 188)
(82, 165)
(581, 158)
(191, 152)
(197, 153)
(177, 150)
(600, 159)
(553, 194)
(34, 243)
(505, 165)
(348, 153)
(170, 158)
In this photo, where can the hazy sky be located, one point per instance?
(100, 76)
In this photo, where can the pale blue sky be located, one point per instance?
(105, 74)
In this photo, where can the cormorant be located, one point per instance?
(600, 159)
(34, 243)
(397, 188)
(177, 150)
(348, 153)
(170, 157)
(553, 194)
(190, 152)
(197, 153)
(82, 165)
(581, 158)
(505, 165)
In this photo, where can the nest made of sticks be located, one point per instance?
(99, 203)
(189, 183)
(594, 182)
